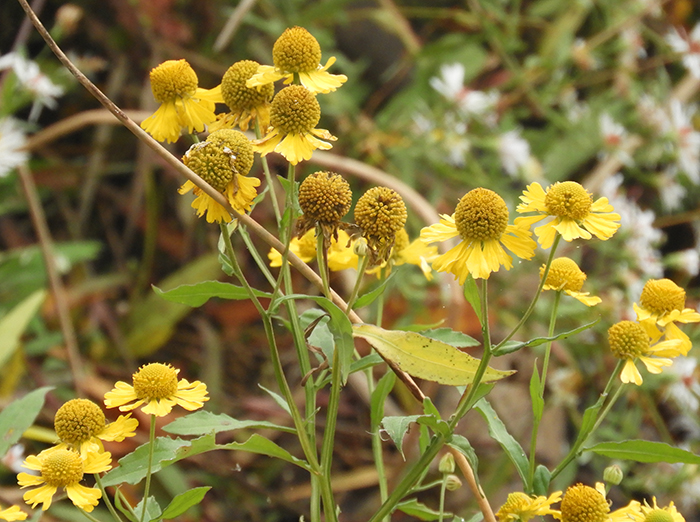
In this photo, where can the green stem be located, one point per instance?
(543, 379)
(380, 299)
(106, 499)
(256, 256)
(361, 267)
(88, 515)
(151, 448)
(443, 488)
(322, 260)
(331, 418)
(268, 178)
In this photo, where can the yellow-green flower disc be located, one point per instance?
(661, 296)
(380, 213)
(517, 502)
(173, 79)
(78, 420)
(325, 197)
(628, 340)
(236, 95)
(658, 515)
(225, 153)
(237, 147)
(481, 215)
(296, 51)
(155, 381)
(295, 110)
(584, 504)
(564, 274)
(568, 199)
(61, 468)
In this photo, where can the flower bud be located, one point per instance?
(447, 463)
(613, 475)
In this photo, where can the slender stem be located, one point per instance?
(256, 256)
(322, 259)
(331, 418)
(88, 515)
(106, 499)
(443, 489)
(380, 299)
(151, 448)
(362, 266)
(268, 178)
(377, 453)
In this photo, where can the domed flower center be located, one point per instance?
(380, 213)
(661, 296)
(516, 502)
(225, 153)
(568, 199)
(564, 274)
(237, 147)
(78, 420)
(295, 110)
(296, 50)
(628, 340)
(61, 468)
(155, 381)
(173, 79)
(658, 515)
(234, 92)
(584, 504)
(325, 197)
(481, 215)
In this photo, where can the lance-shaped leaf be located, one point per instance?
(514, 346)
(425, 358)
(644, 451)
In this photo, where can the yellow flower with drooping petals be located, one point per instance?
(156, 386)
(663, 302)
(182, 102)
(637, 512)
(296, 53)
(63, 468)
(481, 221)
(565, 275)
(520, 507)
(575, 213)
(294, 114)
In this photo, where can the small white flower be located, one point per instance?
(12, 142)
(514, 151)
(613, 135)
(687, 139)
(685, 391)
(451, 85)
(653, 114)
(688, 45)
(671, 192)
(30, 76)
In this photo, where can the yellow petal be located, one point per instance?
(603, 226)
(164, 124)
(533, 199)
(159, 408)
(584, 297)
(546, 233)
(655, 364)
(83, 497)
(442, 231)
(121, 428)
(265, 74)
(295, 148)
(26, 480)
(630, 373)
(42, 495)
(321, 81)
(12, 513)
(120, 395)
(570, 230)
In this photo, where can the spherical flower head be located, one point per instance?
(568, 199)
(520, 507)
(296, 50)
(380, 213)
(173, 79)
(584, 504)
(236, 95)
(564, 274)
(78, 421)
(156, 386)
(325, 197)
(481, 215)
(295, 110)
(662, 296)
(628, 340)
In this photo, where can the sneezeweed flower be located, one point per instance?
(481, 221)
(81, 424)
(297, 54)
(244, 103)
(63, 468)
(645, 513)
(340, 253)
(12, 513)
(294, 114)
(410, 253)
(575, 213)
(565, 275)
(379, 214)
(324, 198)
(223, 161)
(156, 386)
(584, 504)
(630, 341)
(182, 102)
(663, 302)
(520, 507)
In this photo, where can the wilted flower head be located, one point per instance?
(380, 213)
(324, 198)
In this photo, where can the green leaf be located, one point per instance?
(378, 398)
(589, 417)
(644, 451)
(425, 358)
(368, 361)
(471, 294)
(451, 337)
(126, 510)
(499, 433)
(396, 427)
(199, 293)
(153, 511)
(461, 444)
(13, 325)
(281, 401)
(183, 502)
(541, 480)
(514, 346)
(419, 510)
(368, 298)
(262, 446)
(537, 400)
(19, 415)
(202, 422)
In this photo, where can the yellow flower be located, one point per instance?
(223, 161)
(481, 221)
(182, 103)
(565, 275)
(630, 341)
(294, 114)
(414, 253)
(157, 386)
(63, 468)
(81, 424)
(244, 103)
(380, 214)
(340, 255)
(297, 53)
(584, 504)
(520, 507)
(663, 302)
(12, 513)
(637, 512)
(574, 212)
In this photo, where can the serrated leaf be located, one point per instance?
(419, 510)
(644, 451)
(451, 337)
(203, 422)
(514, 346)
(15, 322)
(184, 501)
(19, 415)
(425, 358)
(199, 293)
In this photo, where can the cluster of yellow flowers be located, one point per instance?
(81, 427)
